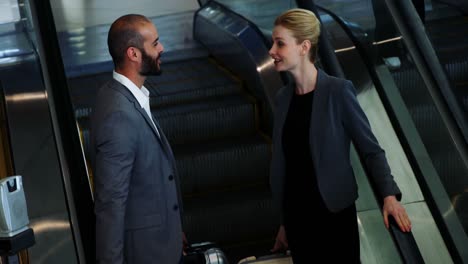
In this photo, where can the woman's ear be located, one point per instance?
(305, 46)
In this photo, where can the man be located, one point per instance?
(137, 206)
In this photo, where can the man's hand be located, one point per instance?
(394, 208)
(281, 242)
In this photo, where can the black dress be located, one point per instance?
(313, 232)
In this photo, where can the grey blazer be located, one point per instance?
(336, 119)
(137, 206)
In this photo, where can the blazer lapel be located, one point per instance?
(146, 117)
(319, 110)
(283, 107)
(162, 139)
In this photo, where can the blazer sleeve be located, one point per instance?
(357, 126)
(115, 151)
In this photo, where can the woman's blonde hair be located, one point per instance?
(304, 25)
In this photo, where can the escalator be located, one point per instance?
(224, 164)
(214, 117)
(447, 27)
(214, 104)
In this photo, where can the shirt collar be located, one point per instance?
(142, 95)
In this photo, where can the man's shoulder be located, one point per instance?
(109, 86)
(113, 90)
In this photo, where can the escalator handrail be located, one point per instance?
(251, 24)
(434, 75)
(202, 2)
(265, 82)
(326, 52)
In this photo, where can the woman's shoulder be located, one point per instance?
(333, 80)
(335, 85)
(282, 92)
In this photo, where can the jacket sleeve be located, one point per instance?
(115, 144)
(357, 126)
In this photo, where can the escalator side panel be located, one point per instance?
(34, 152)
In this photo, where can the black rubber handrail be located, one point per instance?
(327, 55)
(265, 81)
(251, 24)
(432, 72)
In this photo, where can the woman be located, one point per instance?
(316, 117)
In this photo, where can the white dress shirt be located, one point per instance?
(142, 95)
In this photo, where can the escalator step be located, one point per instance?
(231, 218)
(188, 75)
(449, 167)
(188, 69)
(219, 165)
(458, 70)
(219, 117)
(449, 37)
(192, 95)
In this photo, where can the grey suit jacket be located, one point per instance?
(137, 204)
(336, 119)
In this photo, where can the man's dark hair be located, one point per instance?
(123, 33)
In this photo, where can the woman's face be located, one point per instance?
(285, 51)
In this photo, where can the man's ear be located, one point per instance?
(133, 53)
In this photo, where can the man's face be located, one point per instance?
(150, 65)
(151, 52)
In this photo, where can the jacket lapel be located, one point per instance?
(319, 110)
(283, 107)
(146, 117)
(162, 139)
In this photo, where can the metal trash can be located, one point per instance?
(13, 211)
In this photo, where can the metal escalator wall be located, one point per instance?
(6, 159)
(76, 185)
(34, 151)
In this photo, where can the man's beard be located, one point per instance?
(149, 65)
